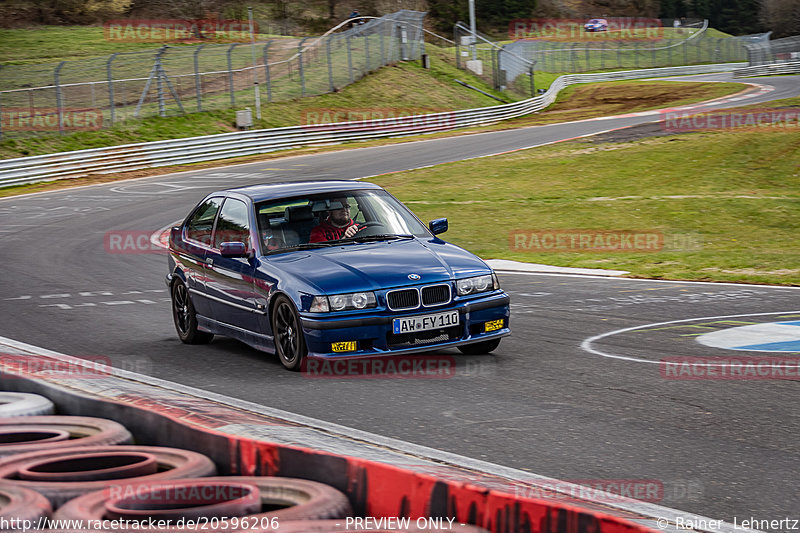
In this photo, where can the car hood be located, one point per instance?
(371, 266)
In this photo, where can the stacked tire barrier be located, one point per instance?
(74, 469)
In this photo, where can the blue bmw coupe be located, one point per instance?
(328, 269)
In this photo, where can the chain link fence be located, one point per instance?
(105, 91)
(514, 64)
(775, 51)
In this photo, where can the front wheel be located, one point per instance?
(289, 342)
(479, 348)
(185, 317)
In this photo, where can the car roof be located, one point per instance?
(271, 191)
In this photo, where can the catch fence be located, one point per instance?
(173, 80)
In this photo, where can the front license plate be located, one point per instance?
(425, 322)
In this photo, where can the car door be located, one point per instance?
(230, 286)
(197, 240)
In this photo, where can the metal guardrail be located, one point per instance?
(212, 147)
(789, 67)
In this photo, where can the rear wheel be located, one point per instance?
(185, 317)
(479, 348)
(289, 342)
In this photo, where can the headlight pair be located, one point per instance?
(477, 284)
(343, 302)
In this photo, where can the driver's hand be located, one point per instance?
(350, 231)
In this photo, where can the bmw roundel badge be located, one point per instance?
(413, 277)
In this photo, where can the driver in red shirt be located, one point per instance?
(338, 224)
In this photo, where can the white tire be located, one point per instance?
(24, 404)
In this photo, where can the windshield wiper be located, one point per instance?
(379, 237)
(305, 246)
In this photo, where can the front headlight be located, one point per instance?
(343, 302)
(477, 284)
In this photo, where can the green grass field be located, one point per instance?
(727, 203)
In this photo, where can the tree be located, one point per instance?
(781, 16)
(489, 13)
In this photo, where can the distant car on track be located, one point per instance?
(596, 25)
(242, 264)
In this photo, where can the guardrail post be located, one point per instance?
(383, 45)
(1, 114)
(573, 65)
(403, 38)
(230, 74)
(655, 61)
(458, 47)
(331, 86)
(349, 57)
(266, 72)
(495, 74)
(197, 81)
(110, 80)
(366, 54)
(59, 97)
(669, 55)
(602, 55)
(300, 65)
(588, 51)
(533, 85)
(619, 55)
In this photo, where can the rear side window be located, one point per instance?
(233, 224)
(201, 224)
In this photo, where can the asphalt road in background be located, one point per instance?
(724, 449)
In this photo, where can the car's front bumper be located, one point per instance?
(373, 336)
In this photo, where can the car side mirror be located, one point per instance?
(233, 249)
(438, 225)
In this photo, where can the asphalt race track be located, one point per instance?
(558, 398)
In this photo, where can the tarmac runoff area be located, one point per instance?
(126, 397)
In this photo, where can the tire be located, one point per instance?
(290, 345)
(479, 348)
(185, 317)
(23, 504)
(172, 464)
(187, 498)
(299, 499)
(101, 466)
(24, 404)
(81, 430)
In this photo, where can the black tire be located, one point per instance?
(290, 345)
(479, 348)
(82, 430)
(185, 317)
(172, 464)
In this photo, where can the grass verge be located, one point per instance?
(726, 201)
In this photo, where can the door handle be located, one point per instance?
(209, 261)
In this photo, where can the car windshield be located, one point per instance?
(320, 220)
